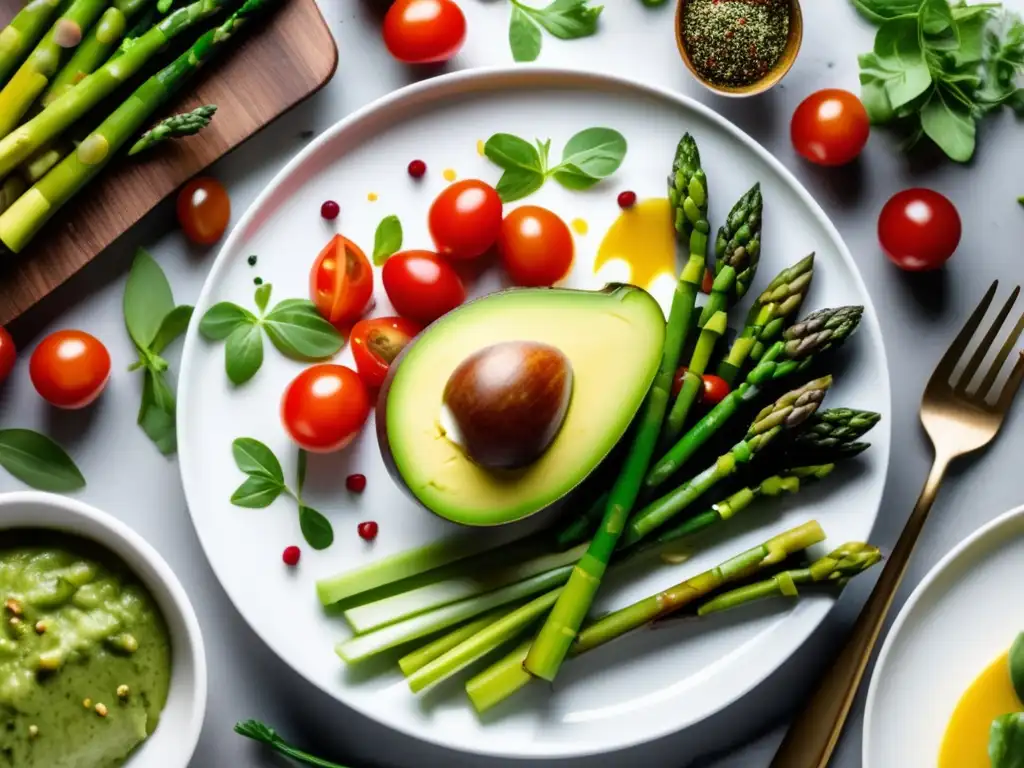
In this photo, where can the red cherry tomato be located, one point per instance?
(341, 281)
(919, 229)
(69, 369)
(422, 286)
(712, 393)
(324, 407)
(204, 210)
(465, 219)
(830, 127)
(377, 342)
(536, 246)
(7, 354)
(424, 31)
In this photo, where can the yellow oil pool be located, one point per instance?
(965, 744)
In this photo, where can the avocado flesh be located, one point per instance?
(613, 339)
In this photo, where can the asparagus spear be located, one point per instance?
(839, 566)
(24, 31)
(832, 435)
(507, 676)
(10, 190)
(779, 301)
(688, 192)
(65, 109)
(801, 343)
(788, 412)
(34, 75)
(184, 124)
(419, 658)
(20, 222)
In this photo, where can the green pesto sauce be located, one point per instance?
(100, 629)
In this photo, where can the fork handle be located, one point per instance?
(815, 732)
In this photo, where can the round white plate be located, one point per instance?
(643, 687)
(956, 622)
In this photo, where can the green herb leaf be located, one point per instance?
(572, 177)
(387, 240)
(147, 299)
(594, 152)
(1006, 741)
(243, 353)
(222, 319)
(257, 493)
(300, 473)
(899, 61)
(254, 729)
(523, 37)
(1017, 665)
(262, 297)
(256, 459)
(950, 125)
(171, 327)
(875, 99)
(879, 11)
(565, 19)
(316, 528)
(156, 412)
(299, 331)
(511, 152)
(936, 20)
(517, 183)
(38, 461)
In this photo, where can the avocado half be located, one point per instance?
(613, 338)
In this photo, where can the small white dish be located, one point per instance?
(960, 618)
(176, 735)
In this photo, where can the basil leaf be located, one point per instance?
(38, 461)
(224, 318)
(595, 152)
(256, 493)
(950, 125)
(936, 19)
(316, 528)
(243, 353)
(156, 412)
(1017, 665)
(147, 299)
(517, 183)
(300, 473)
(256, 459)
(972, 38)
(387, 240)
(299, 331)
(572, 177)
(262, 297)
(171, 327)
(1006, 741)
(523, 37)
(879, 11)
(899, 61)
(565, 19)
(875, 99)
(511, 152)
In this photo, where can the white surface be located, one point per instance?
(648, 685)
(919, 314)
(172, 743)
(957, 620)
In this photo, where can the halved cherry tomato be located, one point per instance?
(536, 246)
(919, 229)
(341, 282)
(69, 369)
(324, 407)
(377, 342)
(421, 285)
(830, 127)
(707, 282)
(424, 31)
(204, 210)
(8, 354)
(465, 219)
(712, 393)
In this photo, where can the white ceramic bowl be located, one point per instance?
(174, 740)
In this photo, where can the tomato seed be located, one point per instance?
(417, 168)
(368, 530)
(291, 556)
(356, 483)
(330, 210)
(627, 199)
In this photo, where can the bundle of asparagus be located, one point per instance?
(69, 65)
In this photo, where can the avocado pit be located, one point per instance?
(504, 404)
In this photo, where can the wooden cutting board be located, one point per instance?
(279, 62)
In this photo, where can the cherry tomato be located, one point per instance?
(536, 246)
(324, 407)
(830, 127)
(424, 31)
(465, 219)
(421, 285)
(69, 369)
(7, 354)
(919, 229)
(377, 342)
(341, 295)
(712, 393)
(204, 209)
(707, 282)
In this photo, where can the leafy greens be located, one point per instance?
(564, 19)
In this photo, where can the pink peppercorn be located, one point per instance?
(356, 483)
(291, 556)
(368, 530)
(330, 210)
(627, 199)
(417, 168)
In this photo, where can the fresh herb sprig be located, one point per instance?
(153, 322)
(387, 240)
(937, 69)
(257, 731)
(294, 326)
(38, 461)
(564, 19)
(589, 156)
(264, 483)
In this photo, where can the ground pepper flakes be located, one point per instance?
(735, 42)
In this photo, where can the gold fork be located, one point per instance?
(958, 422)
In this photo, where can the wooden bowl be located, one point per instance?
(770, 78)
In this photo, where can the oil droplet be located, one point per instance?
(449, 174)
(480, 147)
(372, 197)
(643, 238)
(579, 226)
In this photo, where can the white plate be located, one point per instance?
(958, 620)
(644, 687)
